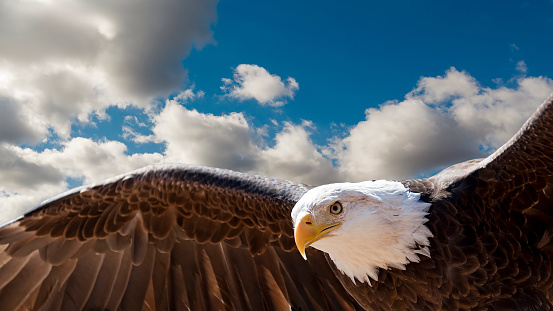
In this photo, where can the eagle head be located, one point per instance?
(363, 226)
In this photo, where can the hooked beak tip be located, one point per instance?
(304, 233)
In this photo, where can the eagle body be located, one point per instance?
(482, 258)
(476, 236)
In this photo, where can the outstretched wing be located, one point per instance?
(168, 237)
(493, 219)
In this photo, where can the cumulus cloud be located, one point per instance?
(444, 120)
(398, 140)
(60, 61)
(16, 125)
(19, 173)
(254, 82)
(207, 139)
(230, 141)
(24, 183)
(494, 115)
(435, 90)
(52, 97)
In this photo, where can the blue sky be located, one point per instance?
(313, 92)
(366, 53)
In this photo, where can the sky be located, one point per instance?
(314, 92)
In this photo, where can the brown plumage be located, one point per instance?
(176, 237)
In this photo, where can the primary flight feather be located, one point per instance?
(476, 236)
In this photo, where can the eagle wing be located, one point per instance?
(166, 237)
(492, 221)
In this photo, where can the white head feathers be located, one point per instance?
(382, 226)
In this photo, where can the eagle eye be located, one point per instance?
(336, 208)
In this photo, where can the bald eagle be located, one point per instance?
(476, 236)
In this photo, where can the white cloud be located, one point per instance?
(443, 121)
(434, 90)
(493, 116)
(399, 139)
(16, 125)
(193, 137)
(254, 82)
(521, 67)
(62, 60)
(19, 173)
(229, 141)
(54, 96)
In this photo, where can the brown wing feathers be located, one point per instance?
(493, 221)
(165, 238)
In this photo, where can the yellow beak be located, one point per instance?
(307, 233)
